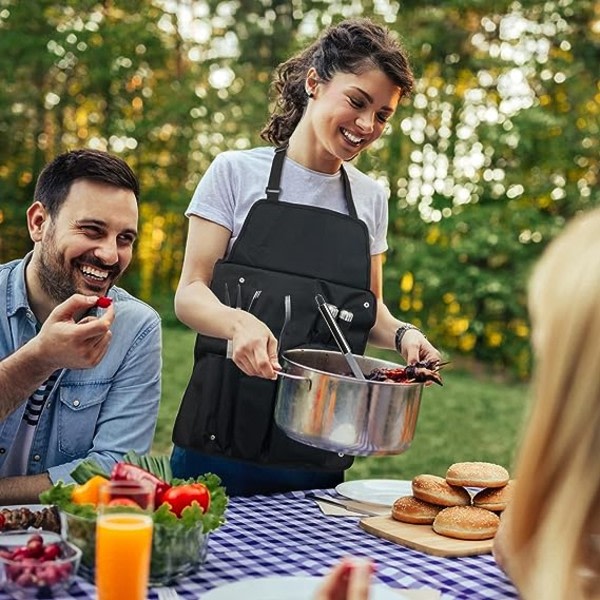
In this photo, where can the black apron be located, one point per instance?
(283, 249)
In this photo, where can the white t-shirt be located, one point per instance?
(236, 179)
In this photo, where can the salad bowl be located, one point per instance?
(177, 549)
(185, 513)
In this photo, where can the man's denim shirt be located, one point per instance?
(98, 413)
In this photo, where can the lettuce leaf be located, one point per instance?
(60, 496)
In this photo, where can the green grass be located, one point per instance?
(178, 359)
(470, 418)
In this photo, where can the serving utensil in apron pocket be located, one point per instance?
(238, 298)
(227, 302)
(287, 308)
(287, 315)
(227, 299)
(254, 298)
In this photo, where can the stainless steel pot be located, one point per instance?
(322, 405)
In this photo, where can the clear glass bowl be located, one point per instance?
(176, 550)
(27, 578)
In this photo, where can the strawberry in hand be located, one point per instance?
(103, 302)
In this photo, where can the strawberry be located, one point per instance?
(103, 302)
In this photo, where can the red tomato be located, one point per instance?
(180, 496)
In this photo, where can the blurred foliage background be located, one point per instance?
(496, 149)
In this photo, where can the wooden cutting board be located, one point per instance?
(423, 538)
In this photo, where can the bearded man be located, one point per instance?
(77, 381)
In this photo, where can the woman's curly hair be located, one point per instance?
(352, 46)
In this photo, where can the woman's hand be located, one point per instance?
(254, 347)
(415, 347)
(348, 580)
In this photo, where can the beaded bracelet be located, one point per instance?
(400, 334)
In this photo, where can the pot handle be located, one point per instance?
(298, 377)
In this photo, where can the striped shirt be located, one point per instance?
(18, 455)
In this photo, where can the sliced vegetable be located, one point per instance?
(123, 471)
(60, 496)
(88, 492)
(182, 496)
(157, 465)
(86, 469)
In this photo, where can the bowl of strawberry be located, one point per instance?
(185, 512)
(36, 564)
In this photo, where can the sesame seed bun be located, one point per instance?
(466, 523)
(436, 490)
(477, 474)
(495, 499)
(409, 509)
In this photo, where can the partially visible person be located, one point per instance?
(349, 579)
(549, 539)
(76, 381)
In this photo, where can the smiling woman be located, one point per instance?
(321, 229)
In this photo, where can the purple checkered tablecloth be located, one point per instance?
(286, 534)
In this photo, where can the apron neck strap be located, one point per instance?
(273, 190)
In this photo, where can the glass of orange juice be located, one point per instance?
(124, 540)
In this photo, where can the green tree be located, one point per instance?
(496, 149)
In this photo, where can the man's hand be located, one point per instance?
(68, 341)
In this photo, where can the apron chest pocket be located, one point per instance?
(307, 327)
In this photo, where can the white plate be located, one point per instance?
(286, 588)
(375, 491)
